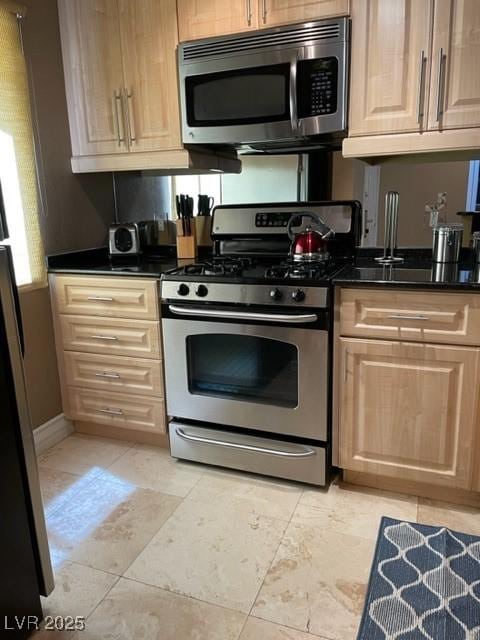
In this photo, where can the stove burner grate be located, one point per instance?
(295, 270)
(218, 266)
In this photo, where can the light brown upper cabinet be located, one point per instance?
(390, 66)
(92, 59)
(414, 68)
(455, 93)
(206, 18)
(120, 72)
(148, 30)
(276, 12)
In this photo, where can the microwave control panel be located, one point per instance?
(317, 87)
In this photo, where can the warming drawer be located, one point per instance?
(304, 463)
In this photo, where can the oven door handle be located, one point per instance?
(306, 453)
(244, 315)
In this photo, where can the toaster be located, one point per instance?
(129, 238)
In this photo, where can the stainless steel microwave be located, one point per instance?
(269, 89)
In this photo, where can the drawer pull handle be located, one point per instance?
(99, 299)
(306, 453)
(399, 316)
(104, 338)
(107, 375)
(112, 412)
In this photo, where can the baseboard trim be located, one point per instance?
(51, 432)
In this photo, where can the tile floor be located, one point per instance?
(149, 548)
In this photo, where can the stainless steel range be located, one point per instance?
(247, 344)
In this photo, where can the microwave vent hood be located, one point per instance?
(278, 90)
(313, 32)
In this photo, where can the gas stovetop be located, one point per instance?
(232, 280)
(250, 264)
(256, 270)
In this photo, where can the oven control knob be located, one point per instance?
(276, 294)
(183, 290)
(201, 291)
(298, 295)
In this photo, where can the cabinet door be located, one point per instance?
(205, 18)
(149, 40)
(455, 92)
(273, 12)
(408, 411)
(389, 75)
(93, 75)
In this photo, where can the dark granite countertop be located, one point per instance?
(98, 262)
(418, 271)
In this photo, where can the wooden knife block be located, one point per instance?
(203, 230)
(186, 245)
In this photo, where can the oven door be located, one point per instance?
(268, 378)
(278, 94)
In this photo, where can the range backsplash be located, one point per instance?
(143, 195)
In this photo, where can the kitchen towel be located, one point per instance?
(424, 584)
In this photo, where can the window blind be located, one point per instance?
(17, 154)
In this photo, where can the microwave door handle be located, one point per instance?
(293, 92)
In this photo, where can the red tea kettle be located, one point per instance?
(308, 245)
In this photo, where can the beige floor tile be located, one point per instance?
(107, 524)
(353, 510)
(78, 590)
(153, 468)
(250, 493)
(53, 634)
(317, 582)
(211, 552)
(456, 517)
(84, 454)
(58, 487)
(134, 611)
(256, 629)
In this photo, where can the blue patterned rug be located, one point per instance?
(424, 584)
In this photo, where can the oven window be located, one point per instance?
(246, 368)
(241, 96)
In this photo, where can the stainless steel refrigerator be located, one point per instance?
(25, 567)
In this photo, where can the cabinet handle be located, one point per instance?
(264, 11)
(98, 337)
(114, 376)
(421, 81)
(112, 412)
(248, 11)
(100, 299)
(129, 116)
(441, 63)
(399, 316)
(345, 366)
(120, 131)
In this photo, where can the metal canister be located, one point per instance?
(476, 246)
(447, 242)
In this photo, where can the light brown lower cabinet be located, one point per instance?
(408, 411)
(108, 340)
(141, 413)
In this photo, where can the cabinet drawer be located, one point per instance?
(452, 318)
(112, 296)
(111, 336)
(114, 373)
(117, 409)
